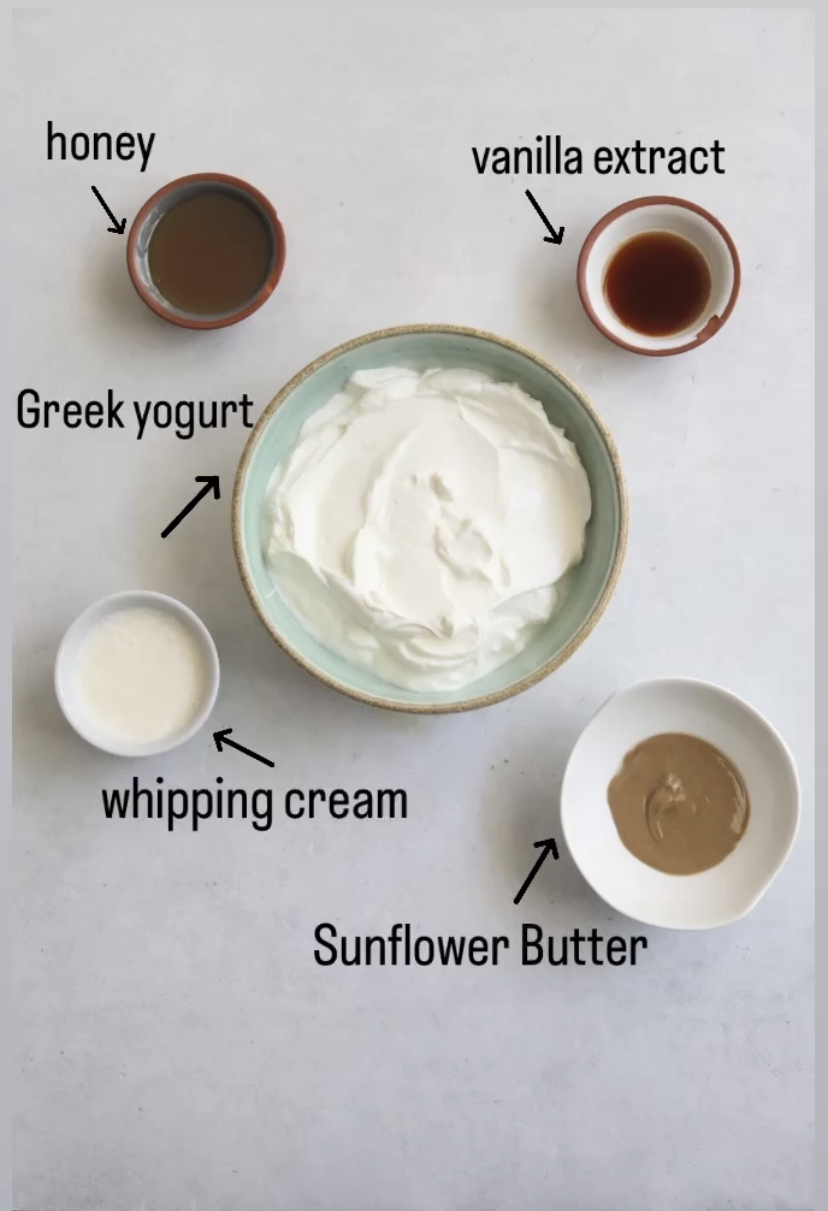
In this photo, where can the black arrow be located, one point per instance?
(554, 237)
(211, 483)
(118, 229)
(548, 847)
(223, 738)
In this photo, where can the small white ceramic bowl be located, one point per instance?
(66, 666)
(659, 214)
(727, 891)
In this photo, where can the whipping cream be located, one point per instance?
(421, 524)
(140, 675)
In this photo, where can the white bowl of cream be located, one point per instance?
(137, 674)
(429, 518)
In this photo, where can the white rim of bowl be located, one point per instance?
(751, 710)
(82, 623)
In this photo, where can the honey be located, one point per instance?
(211, 253)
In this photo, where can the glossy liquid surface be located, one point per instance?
(210, 254)
(657, 283)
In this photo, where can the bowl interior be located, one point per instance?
(681, 221)
(716, 896)
(166, 202)
(422, 350)
(67, 662)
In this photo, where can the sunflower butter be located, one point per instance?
(679, 804)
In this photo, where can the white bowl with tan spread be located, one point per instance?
(725, 892)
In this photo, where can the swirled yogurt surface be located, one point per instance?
(421, 524)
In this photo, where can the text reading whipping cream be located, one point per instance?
(140, 675)
(421, 524)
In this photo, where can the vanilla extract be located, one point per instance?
(658, 283)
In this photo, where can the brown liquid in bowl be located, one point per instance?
(679, 804)
(658, 283)
(210, 254)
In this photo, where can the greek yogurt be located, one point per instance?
(422, 524)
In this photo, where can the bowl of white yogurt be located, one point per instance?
(137, 673)
(430, 518)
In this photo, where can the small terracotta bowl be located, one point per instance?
(659, 214)
(153, 210)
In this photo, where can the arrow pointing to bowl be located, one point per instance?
(120, 224)
(211, 484)
(223, 737)
(546, 848)
(554, 237)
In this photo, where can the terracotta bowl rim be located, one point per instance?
(713, 325)
(268, 286)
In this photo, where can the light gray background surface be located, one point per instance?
(178, 1048)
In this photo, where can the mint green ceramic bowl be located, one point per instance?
(422, 346)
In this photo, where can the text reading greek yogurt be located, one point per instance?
(183, 417)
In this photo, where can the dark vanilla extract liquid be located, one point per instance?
(657, 283)
(210, 254)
